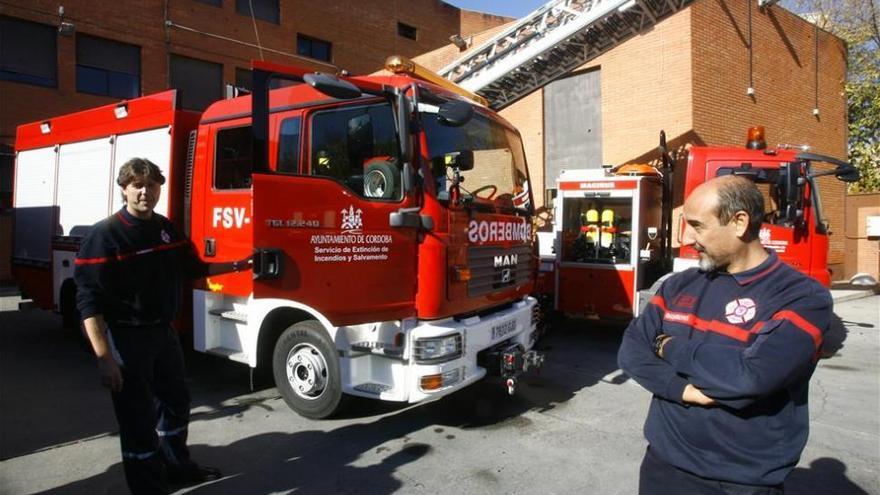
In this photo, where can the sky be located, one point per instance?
(510, 8)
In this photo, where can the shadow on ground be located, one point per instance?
(825, 475)
(326, 460)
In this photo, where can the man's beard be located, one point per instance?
(707, 264)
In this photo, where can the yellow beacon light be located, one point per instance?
(402, 65)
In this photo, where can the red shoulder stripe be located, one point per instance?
(802, 324)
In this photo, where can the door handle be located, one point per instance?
(210, 248)
(267, 263)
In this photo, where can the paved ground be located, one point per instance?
(574, 428)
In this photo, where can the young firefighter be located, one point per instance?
(129, 274)
(727, 350)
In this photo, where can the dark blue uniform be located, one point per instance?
(132, 271)
(750, 341)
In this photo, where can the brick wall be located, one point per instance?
(646, 87)
(862, 254)
(363, 34)
(783, 75)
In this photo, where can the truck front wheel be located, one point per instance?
(306, 369)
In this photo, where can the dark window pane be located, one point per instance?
(232, 158)
(243, 78)
(107, 67)
(347, 142)
(313, 48)
(28, 52)
(407, 31)
(267, 10)
(288, 146)
(215, 3)
(199, 83)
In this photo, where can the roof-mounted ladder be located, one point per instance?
(550, 42)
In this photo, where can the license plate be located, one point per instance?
(502, 329)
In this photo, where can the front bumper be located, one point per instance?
(511, 326)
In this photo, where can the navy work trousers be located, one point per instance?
(152, 408)
(657, 477)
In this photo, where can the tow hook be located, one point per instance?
(511, 386)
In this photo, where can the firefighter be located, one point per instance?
(129, 274)
(727, 349)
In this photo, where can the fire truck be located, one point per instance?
(613, 228)
(388, 218)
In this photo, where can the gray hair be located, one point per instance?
(737, 194)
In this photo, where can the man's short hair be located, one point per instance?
(740, 194)
(139, 168)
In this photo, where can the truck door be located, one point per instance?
(321, 231)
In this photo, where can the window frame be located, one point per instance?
(31, 79)
(311, 40)
(307, 154)
(180, 97)
(403, 29)
(77, 65)
(250, 13)
(217, 130)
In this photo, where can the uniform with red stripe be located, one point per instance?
(122, 262)
(748, 340)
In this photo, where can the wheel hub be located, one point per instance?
(306, 371)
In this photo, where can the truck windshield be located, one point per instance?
(498, 178)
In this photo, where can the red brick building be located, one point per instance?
(689, 75)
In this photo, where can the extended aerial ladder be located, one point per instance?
(551, 41)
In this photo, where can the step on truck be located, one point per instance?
(388, 218)
(613, 228)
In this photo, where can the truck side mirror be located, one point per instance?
(462, 160)
(847, 173)
(455, 113)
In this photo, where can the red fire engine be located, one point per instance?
(613, 228)
(388, 218)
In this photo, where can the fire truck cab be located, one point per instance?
(387, 217)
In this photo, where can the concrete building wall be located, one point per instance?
(784, 79)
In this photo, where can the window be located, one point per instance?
(233, 155)
(215, 3)
(313, 48)
(288, 146)
(108, 68)
(267, 10)
(597, 230)
(199, 83)
(28, 52)
(407, 31)
(356, 146)
(243, 78)
(498, 178)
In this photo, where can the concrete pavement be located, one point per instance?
(574, 428)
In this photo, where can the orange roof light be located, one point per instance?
(756, 139)
(401, 65)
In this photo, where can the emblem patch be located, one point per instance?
(740, 310)
(165, 237)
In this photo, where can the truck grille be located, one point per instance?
(495, 268)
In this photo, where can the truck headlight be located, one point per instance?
(435, 349)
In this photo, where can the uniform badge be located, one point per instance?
(165, 237)
(740, 310)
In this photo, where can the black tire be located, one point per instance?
(307, 351)
(380, 180)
